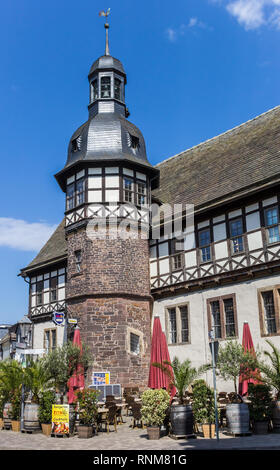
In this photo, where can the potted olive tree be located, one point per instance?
(155, 404)
(233, 361)
(47, 399)
(260, 407)
(270, 370)
(87, 408)
(203, 406)
(181, 416)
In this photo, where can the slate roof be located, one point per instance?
(54, 250)
(229, 164)
(214, 171)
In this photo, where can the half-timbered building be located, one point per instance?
(221, 274)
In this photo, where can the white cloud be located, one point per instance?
(253, 14)
(22, 235)
(193, 23)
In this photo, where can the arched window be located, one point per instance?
(94, 90)
(117, 88)
(106, 87)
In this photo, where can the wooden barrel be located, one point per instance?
(30, 417)
(276, 417)
(7, 416)
(181, 418)
(238, 418)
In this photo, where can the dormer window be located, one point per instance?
(106, 87)
(76, 144)
(133, 142)
(117, 88)
(94, 90)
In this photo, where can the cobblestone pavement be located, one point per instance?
(127, 438)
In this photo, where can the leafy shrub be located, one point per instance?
(47, 399)
(203, 403)
(155, 404)
(87, 400)
(261, 404)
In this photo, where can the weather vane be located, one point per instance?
(106, 26)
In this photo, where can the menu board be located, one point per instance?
(60, 419)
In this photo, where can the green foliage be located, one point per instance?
(155, 404)
(47, 399)
(16, 405)
(61, 363)
(271, 372)
(36, 379)
(184, 374)
(233, 361)
(203, 403)
(87, 399)
(11, 377)
(261, 404)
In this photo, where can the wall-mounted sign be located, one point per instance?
(100, 378)
(58, 318)
(72, 321)
(60, 419)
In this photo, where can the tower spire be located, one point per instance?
(106, 26)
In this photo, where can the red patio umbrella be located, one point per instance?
(77, 381)
(248, 345)
(159, 353)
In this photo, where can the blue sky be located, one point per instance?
(195, 68)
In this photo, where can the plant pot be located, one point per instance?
(260, 427)
(276, 417)
(85, 432)
(7, 416)
(238, 418)
(31, 419)
(15, 426)
(208, 430)
(153, 432)
(181, 418)
(46, 429)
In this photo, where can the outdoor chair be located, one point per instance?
(137, 415)
(108, 418)
(130, 402)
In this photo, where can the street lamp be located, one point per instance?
(214, 344)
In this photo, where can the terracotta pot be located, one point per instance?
(260, 427)
(85, 432)
(208, 430)
(153, 432)
(16, 426)
(46, 429)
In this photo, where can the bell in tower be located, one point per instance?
(107, 181)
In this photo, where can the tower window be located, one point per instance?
(134, 343)
(70, 196)
(128, 189)
(80, 191)
(106, 87)
(94, 90)
(76, 144)
(134, 142)
(78, 260)
(117, 84)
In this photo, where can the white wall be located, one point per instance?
(198, 350)
(38, 333)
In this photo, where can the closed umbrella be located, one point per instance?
(248, 345)
(159, 353)
(77, 380)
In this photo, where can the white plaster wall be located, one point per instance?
(38, 333)
(198, 350)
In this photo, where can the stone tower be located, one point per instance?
(107, 180)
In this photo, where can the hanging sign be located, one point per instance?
(72, 321)
(100, 378)
(60, 419)
(58, 318)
